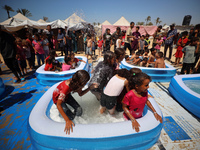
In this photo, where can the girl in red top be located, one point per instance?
(181, 44)
(62, 97)
(135, 100)
(100, 44)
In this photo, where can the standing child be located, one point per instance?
(147, 42)
(100, 44)
(103, 72)
(159, 63)
(27, 50)
(89, 46)
(45, 45)
(189, 55)
(21, 57)
(93, 46)
(37, 46)
(119, 42)
(67, 64)
(181, 44)
(113, 89)
(159, 43)
(55, 42)
(141, 44)
(135, 100)
(119, 55)
(62, 97)
(151, 61)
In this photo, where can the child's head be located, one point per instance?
(119, 54)
(127, 57)
(36, 37)
(145, 60)
(79, 79)
(137, 54)
(100, 37)
(123, 73)
(88, 36)
(18, 41)
(142, 37)
(137, 28)
(153, 51)
(67, 59)
(184, 34)
(44, 35)
(109, 58)
(139, 82)
(50, 60)
(146, 52)
(108, 31)
(159, 36)
(24, 42)
(134, 71)
(159, 55)
(72, 55)
(194, 41)
(52, 53)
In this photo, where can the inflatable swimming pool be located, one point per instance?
(157, 74)
(51, 77)
(181, 91)
(48, 134)
(2, 87)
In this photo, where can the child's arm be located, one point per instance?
(135, 124)
(157, 116)
(139, 45)
(69, 123)
(82, 60)
(126, 85)
(119, 43)
(93, 86)
(156, 64)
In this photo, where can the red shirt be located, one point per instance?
(21, 53)
(47, 66)
(61, 92)
(185, 40)
(100, 43)
(136, 104)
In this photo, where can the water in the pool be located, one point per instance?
(193, 85)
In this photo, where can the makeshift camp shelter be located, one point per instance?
(41, 21)
(106, 23)
(18, 16)
(73, 20)
(121, 22)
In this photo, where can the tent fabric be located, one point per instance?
(17, 16)
(122, 22)
(143, 29)
(41, 21)
(106, 23)
(79, 26)
(73, 20)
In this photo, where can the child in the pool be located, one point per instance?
(146, 53)
(135, 100)
(74, 60)
(159, 63)
(136, 60)
(49, 64)
(51, 53)
(119, 55)
(102, 73)
(62, 96)
(66, 65)
(113, 89)
(144, 63)
(151, 60)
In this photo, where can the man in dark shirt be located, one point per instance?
(8, 51)
(107, 39)
(49, 34)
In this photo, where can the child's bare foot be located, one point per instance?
(102, 110)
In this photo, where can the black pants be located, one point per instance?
(187, 67)
(127, 45)
(170, 50)
(73, 103)
(13, 66)
(107, 48)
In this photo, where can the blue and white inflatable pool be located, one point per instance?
(51, 77)
(186, 90)
(48, 134)
(157, 74)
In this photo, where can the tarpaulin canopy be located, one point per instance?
(143, 29)
(18, 16)
(122, 22)
(73, 20)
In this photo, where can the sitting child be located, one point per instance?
(51, 53)
(151, 61)
(113, 89)
(143, 63)
(136, 60)
(135, 100)
(67, 65)
(74, 61)
(49, 64)
(62, 96)
(146, 53)
(159, 63)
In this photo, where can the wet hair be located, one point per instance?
(119, 52)
(160, 54)
(137, 79)
(137, 53)
(134, 71)
(50, 60)
(145, 59)
(67, 59)
(80, 78)
(107, 57)
(152, 49)
(122, 73)
(126, 56)
(146, 50)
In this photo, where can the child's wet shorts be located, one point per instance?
(108, 101)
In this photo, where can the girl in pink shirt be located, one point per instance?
(67, 65)
(159, 43)
(135, 100)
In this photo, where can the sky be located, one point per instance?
(169, 11)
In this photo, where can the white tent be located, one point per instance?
(106, 23)
(41, 21)
(122, 22)
(18, 16)
(73, 20)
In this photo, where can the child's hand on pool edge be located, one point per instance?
(68, 126)
(158, 117)
(94, 86)
(135, 125)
